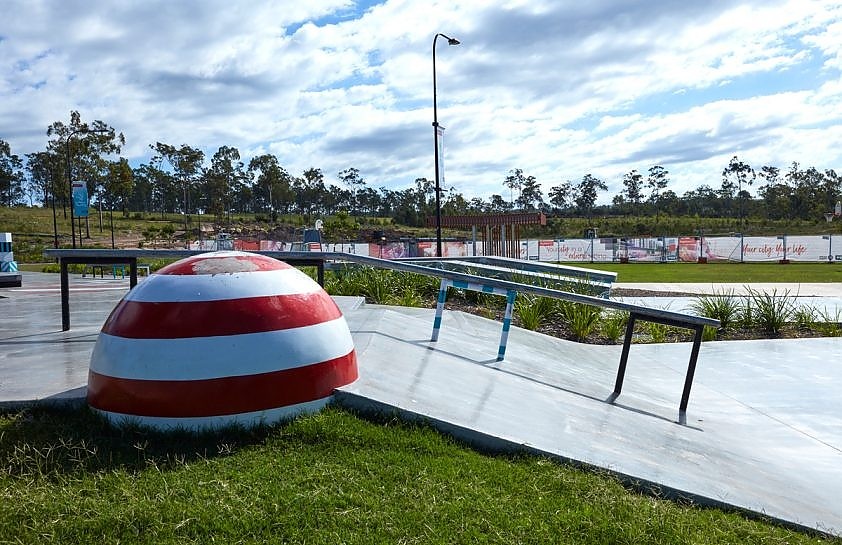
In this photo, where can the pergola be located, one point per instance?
(500, 233)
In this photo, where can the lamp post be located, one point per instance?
(450, 41)
(83, 130)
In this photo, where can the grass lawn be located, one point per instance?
(65, 477)
(721, 272)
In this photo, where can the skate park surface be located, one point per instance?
(763, 430)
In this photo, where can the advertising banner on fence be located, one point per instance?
(816, 248)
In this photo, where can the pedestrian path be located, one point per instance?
(809, 289)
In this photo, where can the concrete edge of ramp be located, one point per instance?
(487, 443)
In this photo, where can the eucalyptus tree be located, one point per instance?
(531, 196)
(498, 204)
(11, 176)
(355, 183)
(185, 162)
(734, 176)
(154, 190)
(633, 189)
(225, 185)
(657, 182)
(514, 180)
(561, 196)
(585, 194)
(44, 175)
(119, 184)
(774, 192)
(273, 184)
(309, 192)
(85, 147)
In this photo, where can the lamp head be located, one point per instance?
(453, 41)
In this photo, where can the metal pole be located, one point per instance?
(70, 188)
(450, 41)
(55, 224)
(111, 220)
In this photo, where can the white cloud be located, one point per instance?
(558, 89)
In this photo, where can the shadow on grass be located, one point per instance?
(47, 441)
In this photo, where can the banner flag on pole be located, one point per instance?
(440, 130)
(80, 199)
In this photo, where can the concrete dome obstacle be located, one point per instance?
(220, 338)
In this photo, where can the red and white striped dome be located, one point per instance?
(220, 338)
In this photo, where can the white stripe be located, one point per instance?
(210, 423)
(174, 288)
(199, 358)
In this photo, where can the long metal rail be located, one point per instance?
(318, 259)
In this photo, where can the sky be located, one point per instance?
(557, 88)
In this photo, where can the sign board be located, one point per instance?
(80, 199)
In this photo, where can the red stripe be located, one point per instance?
(205, 264)
(221, 396)
(144, 320)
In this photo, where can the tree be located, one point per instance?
(224, 182)
(585, 193)
(87, 148)
(514, 181)
(44, 175)
(531, 197)
(498, 204)
(774, 192)
(633, 189)
(11, 176)
(119, 185)
(734, 176)
(309, 190)
(273, 186)
(355, 183)
(186, 165)
(656, 182)
(561, 196)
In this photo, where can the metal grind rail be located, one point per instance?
(318, 259)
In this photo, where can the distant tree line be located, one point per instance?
(179, 179)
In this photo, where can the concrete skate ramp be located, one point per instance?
(763, 431)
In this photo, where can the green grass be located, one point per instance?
(740, 273)
(65, 477)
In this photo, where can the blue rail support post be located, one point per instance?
(507, 318)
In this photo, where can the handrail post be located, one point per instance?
(691, 368)
(624, 356)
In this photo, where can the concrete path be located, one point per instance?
(763, 430)
(813, 289)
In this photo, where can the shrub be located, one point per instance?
(723, 306)
(580, 318)
(613, 325)
(657, 332)
(804, 317)
(828, 324)
(771, 311)
(533, 310)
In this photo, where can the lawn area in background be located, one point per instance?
(739, 273)
(67, 477)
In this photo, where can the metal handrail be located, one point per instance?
(318, 259)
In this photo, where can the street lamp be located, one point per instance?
(83, 130)
(450, 41)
